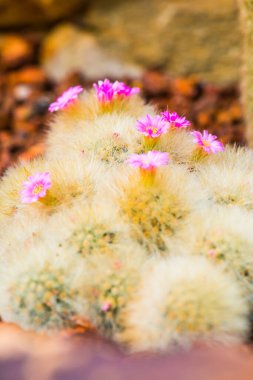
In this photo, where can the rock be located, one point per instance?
(27, 356)
(21, 119)
(68, 49)
(180, 36)
(33, 12)
(156, 83)
(14, 51)
(28, 75)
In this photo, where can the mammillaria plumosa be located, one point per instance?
(123, 188)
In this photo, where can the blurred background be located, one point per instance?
(126, 37)
(185, 55)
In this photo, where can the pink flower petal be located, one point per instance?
(67, 98)
(108, 91)
(207, 142)
(149, 160)
(35, 188)
(152, 126)
(175, 120)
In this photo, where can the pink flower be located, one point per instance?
(207, 142)
(67, 98)
(175, 120)
(121, 88)
(117, 264)
(35, 187)
(107, 91)
(104, 90)
(152, 126)
(212, 252)
(149, 160)
(106, 306)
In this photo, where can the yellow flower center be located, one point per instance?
(154, 130)
(206, 143)
(37, 189)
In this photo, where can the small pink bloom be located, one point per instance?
(35, 187)
(212, 252)
(106, 306)
(67, 98)
(175, 120)
(149, 160)
(117, 264)
(152, 126)
(121, 88)
(108, 91)
(207, 142)
(104, 90)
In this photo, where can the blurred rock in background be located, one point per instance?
(69, 49)
(124, 37)
(184, 54)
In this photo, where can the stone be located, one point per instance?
(180, 36)
(68, 49)
(14, 50)
(27, 355)
(28, 75)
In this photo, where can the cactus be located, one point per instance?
(113, 283)
(108, 139)
(183, 299)
(71, 181)
(122, 189)
(223, 241)
(42, 292)
(159, 209)
(86, 232)
(228, 179)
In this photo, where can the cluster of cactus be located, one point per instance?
(132, 221)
